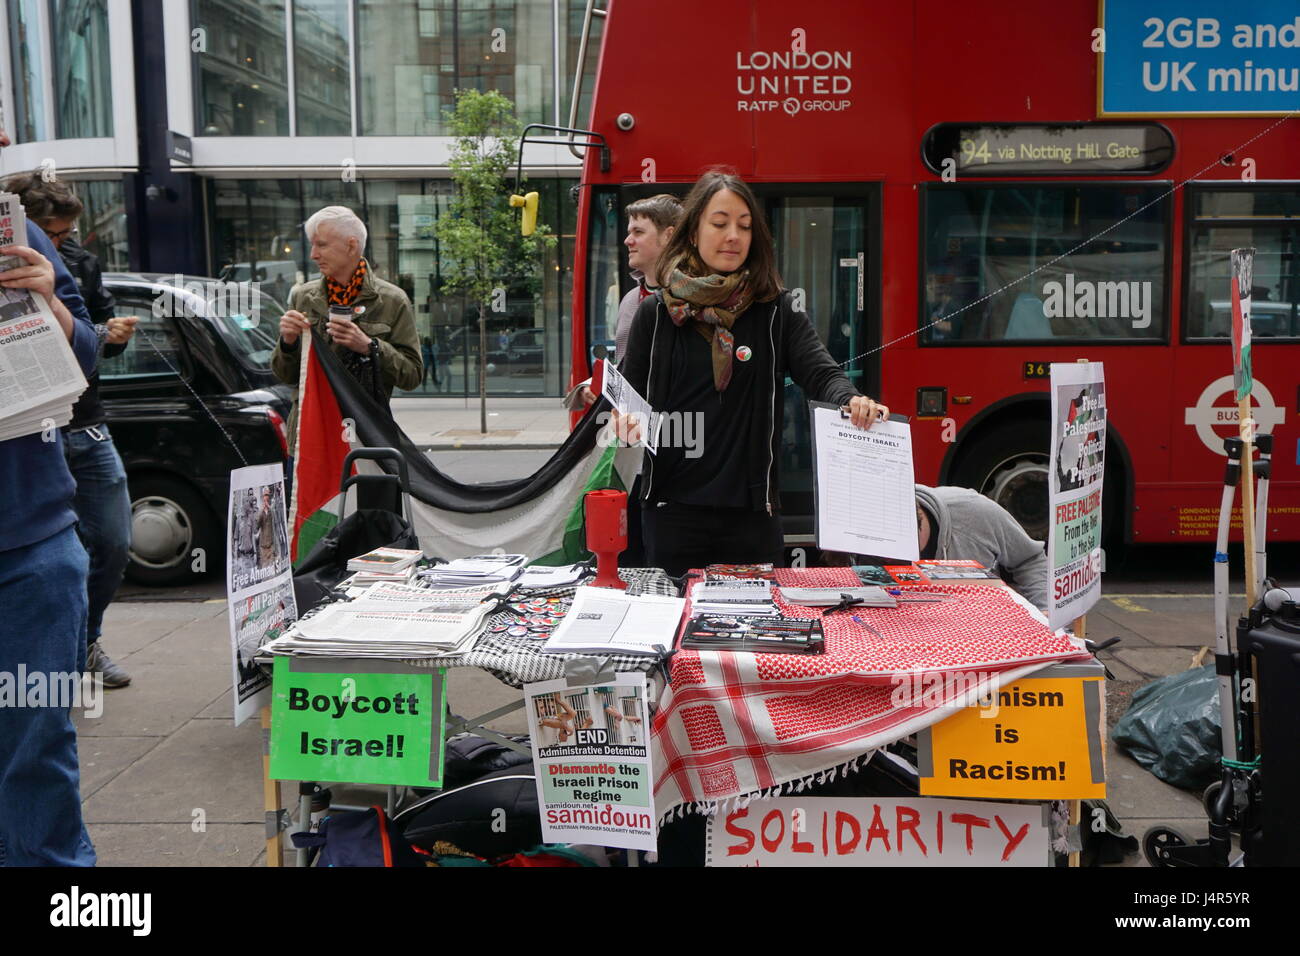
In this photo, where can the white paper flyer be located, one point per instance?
(592, 758)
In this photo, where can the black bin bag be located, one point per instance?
(327, 563)
(1172, 728)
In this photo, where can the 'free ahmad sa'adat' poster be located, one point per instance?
(1078, 459)
(592, 758)
(259, 579)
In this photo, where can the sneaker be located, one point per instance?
(98, 662)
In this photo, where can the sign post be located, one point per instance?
(1243, 261)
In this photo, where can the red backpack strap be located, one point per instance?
(383, 835)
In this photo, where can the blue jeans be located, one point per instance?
(103, 508)
(43, 628)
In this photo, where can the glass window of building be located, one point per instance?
(406, 58)
(241, 74)
(1265, 219)
(83, 82)
(412, 56)
(256, 229)
(575, 12)
(508, 46)
(102, 227)
(321, 67)
(979, 241)
(27, 65)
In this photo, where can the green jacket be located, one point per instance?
(386, 317)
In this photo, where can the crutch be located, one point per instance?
(1263, 471)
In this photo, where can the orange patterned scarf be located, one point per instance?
(340, 294)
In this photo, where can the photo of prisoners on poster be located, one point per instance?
(258, 537)
(618, 710)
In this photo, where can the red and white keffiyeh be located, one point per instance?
(731, 724)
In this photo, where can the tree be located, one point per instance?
(480, 237)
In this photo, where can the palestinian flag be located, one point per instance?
(540, 515)
(1242, 267)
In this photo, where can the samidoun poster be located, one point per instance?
(878, 831)
(591, 755)
(1078, 460)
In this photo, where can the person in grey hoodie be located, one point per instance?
(958, 523)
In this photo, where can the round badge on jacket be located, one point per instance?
(358, 309)
(744, 352)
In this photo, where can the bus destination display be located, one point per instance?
(1048, 149)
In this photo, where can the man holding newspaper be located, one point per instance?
(42, 563)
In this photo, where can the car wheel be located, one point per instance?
(1010, 465)
(169, 521)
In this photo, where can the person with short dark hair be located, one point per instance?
(716, 342)
(650, 224)
(103, 502)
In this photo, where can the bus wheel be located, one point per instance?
(1010, 465)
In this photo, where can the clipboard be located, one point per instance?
(812, 424)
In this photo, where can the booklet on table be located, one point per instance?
(602, 620)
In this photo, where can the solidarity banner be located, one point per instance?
(878, 831)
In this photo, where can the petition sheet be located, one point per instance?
(865, 486)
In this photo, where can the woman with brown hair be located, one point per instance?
(711, 351)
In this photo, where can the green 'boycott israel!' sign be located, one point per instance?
(381, 724)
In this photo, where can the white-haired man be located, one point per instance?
(378, 345)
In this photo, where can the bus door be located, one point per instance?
(828, 254)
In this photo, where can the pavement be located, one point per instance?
(169, 780)
(445, 424)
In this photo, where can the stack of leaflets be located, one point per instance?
(40, 378)
(541, 576)
(476, 569)
(957, 572)
(926, 573)
(383, 565)
(753, 635)
(743, 597)
(395, 622)
(605, 621)
(729, 572)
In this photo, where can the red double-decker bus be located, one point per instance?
(958, 214)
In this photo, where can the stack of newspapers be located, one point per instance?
(394, 622)
(40, 379)
(476, 569)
